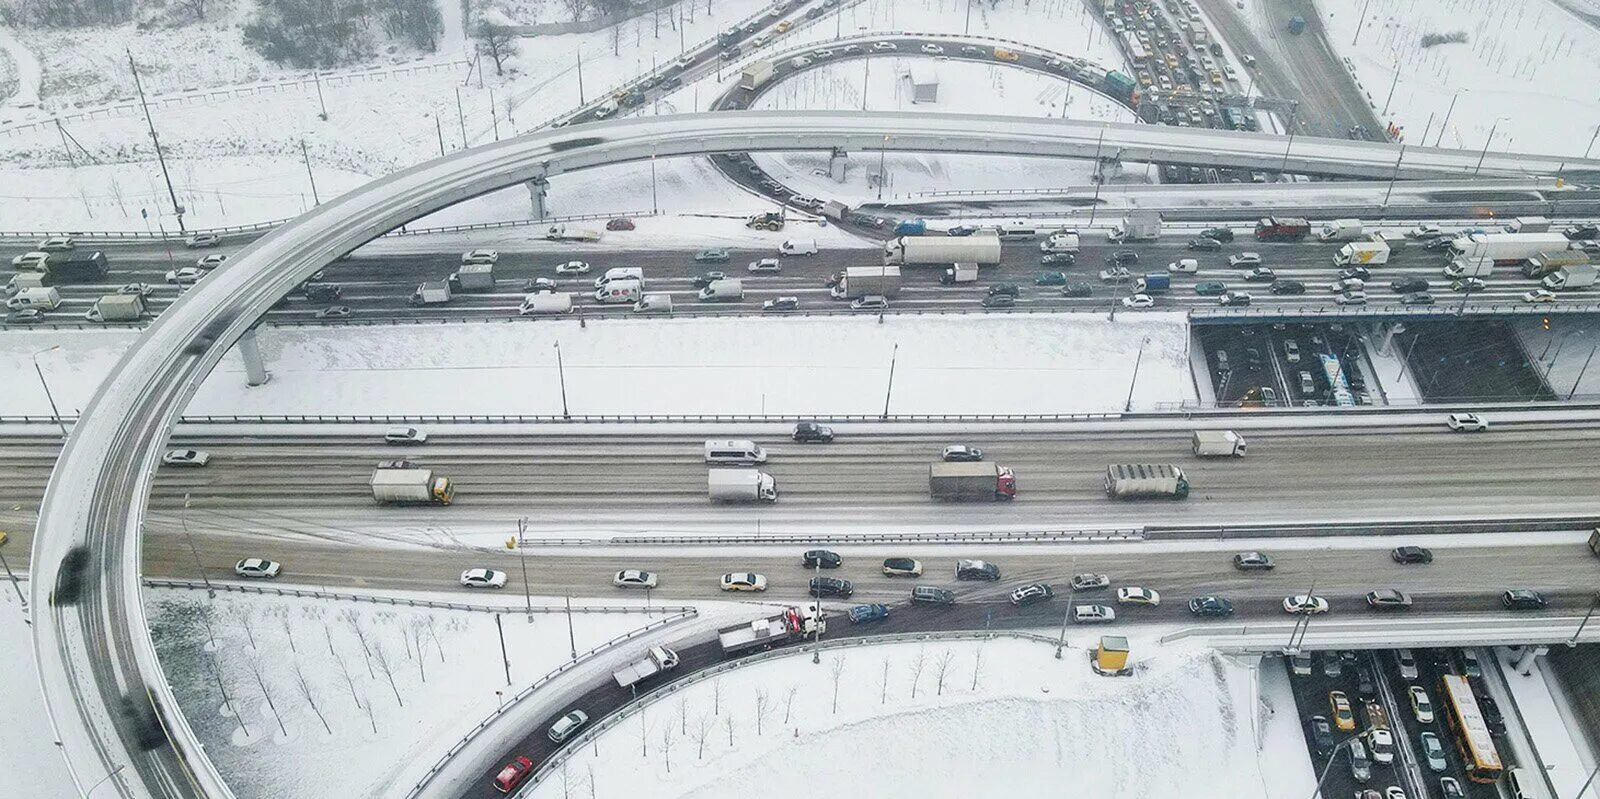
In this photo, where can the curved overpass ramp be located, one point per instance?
(103, 685)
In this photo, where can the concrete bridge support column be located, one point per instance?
(1524, 664)
(255, 369)
(538, 189)
(1386, 345)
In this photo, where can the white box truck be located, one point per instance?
(959, 273)
(1546, 262)
(1218, 444)
(433, 292)
(571, 233)
(740, 485)
(473, 277)
(546, 304)
(1367, 253)
(117, 308)
(982, 248)
(1528, 224)
(1132, 481)
(1463, 266)
(756, 75)
(1137, 226)
(411, 486)
(656, 660)
(1340, 230)
(862, 281)
(1570, 277)
(1509, 248)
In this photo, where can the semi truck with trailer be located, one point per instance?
(982, 248)
(1137, 226)
(117, 308)
(1546, 262)
(863, 281)
(1218, 444)
(791, 624)
(740, 485)
(412, 485)
(1363, 253)
(1134, 481)
(1509, 248)
(656, 660)
(1282, 228)
(964, 481)
(756, 75)
(1570, 277)
(1340, 230)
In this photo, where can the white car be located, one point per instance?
(141, 289)
(56, 244)
(30, 260)
(188, 274)
(1421, 705)
(744, 581)
(483, 578)
(1351, 298)
(823, 53)
(1347, 284)
(1539, 295)
(1305, 605)
(1086, 582)
(634, 578)
(1394, 791)
(186, 457)
(1133, 595)
(1424, 231)
(871, 302)
(201, 240)
(573, 268)
(961, 452)
(1244, 259)
(1467, 423)
(766, 266)
(480, 257)
(884, 46)
(1189, 265)
(1093, 614)
(800, 62)
(404, 435)
(566, 725)
(1382, 746)
(1139, 301)
(211, 261)
(932, 49)
(257, 567)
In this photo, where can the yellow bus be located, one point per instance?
(1467, 728)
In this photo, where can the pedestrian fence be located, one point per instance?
(409, 602)
(455, 749)
(634, 707)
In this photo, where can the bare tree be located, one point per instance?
(247, 620)
(367, 707)
(415, 633)
(702, 730)
(575, 8)
(883, 684)
(836, 670)
(763, 707)
(716, 696)
(683, 715)
(288, 632)
(666, 745)
(644, 730)
(386, 665)
(327, 632)
(496, 41)
(196, 7)
(727, 721)
(349, 683)
(788, 701)
(433, 633)
(977, 666)
(941, 667)
(591, 780)
(254, 665)
(916, 670)
(309, 695)
(354, 620)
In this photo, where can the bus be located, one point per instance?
(1469, 731)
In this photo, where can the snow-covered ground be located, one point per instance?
(1001, 717)
(345, 691)
(29, 760)
(1542, 709)
(1047, 363)
(1519, 73)
(1565, 354)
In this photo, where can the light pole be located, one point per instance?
(654, 207)
(561, 374)
(522, 557)
(816, 612)
(1392, 176)
(572, 637)
(1359, 22)
(1098, 177)
(1486, 143)
(1580, 373)
(888, 392)
(1447, 113)
(103, 780)
(882, 178)
(1344, 744)
(1593, 602)
(1128, 406)
(54, 413)
(1392, 84)
(18, 588)
(184, 519)
(1586, 155)
(1294, 111)
(1066, 614)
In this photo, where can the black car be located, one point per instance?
(1357, 272)
(1031, 594)
(1522, 599)
(1008, 289)
(810, 432)
(1218, 233)
(1321, 733)
(1577, 232)
(1412, 555)
(815, 11)
(930, 595)
(26, 316)
(1285, 286)
(999, 301)
(1435, 245)
(1078, 290)
(324, 292)
(673, 82)
(977, 570)
(1365, 687)
(831, 586)
(1214, 606)
(1492, 717)
(707, 278)
(1407, 285)
(1205, 244)
(1122, 258)
(821, 557)
(1058, 259)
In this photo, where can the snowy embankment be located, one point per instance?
(825, 366)
(1001, 717)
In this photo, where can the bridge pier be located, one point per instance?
(1525, 659)
(255, 369)
(538, 190)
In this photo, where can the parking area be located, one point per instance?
(1285, 364)
(1378, 687)
(1471, 360)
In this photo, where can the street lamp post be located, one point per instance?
(882, 178)
(1486, 142)
(816, 612)
(114, 772)
(561, 374)
(1593, 602)
(1294, 111)
(1067, 614)
(54, 412)
(889, 392)
(1585, 368)
(1127, 407)
(1328, 766)
(184, 519)
(1446, 123)
(1392, 176)
(522, 557)
(1098, 177)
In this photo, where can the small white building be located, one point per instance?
(924, 83)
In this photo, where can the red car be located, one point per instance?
(620, 224)
(513, 774)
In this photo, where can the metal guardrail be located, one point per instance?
(484, 724)
(670, 689)
(997, 537)
(151, 582)
(1441, 310)
(1370, 528)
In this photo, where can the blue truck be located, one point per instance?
(911, 227)
(1153, 283)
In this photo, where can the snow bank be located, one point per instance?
(29, 759)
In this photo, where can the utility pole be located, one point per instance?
(461, 117)
(580, 78)
(816, 612)
(315, 200)
(522, 557)
(1294, 111)
(438, 128)
(572, 637)
(882, 177)
(1127, 407)
(1099, 177)
(1392, 176)
(1359, 22)
(561, 373)
(1067, 614)
(156, 140)
(54, 412)
(494, 116)
(893, 357)
(184, 519)
(655, 207)
(1392, 85)
(318, 78)
(503, 657)
(1486, 143)
(1446, 123)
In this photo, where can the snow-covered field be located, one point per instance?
(1520, 72)
(29, 760)
(1046, 363)
(327, 698)
(1001, 717)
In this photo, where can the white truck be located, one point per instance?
(1132, 481)
(1137, 226)
(117, 308)
(571, 233)
(789, 625)
(1509, 248)
(545, 304)
(756, 75)
(411, 486)
(724, 290)
(1570, 277)
(959, 273)
(1528, 224)
(656, 660)
(863, 281)
(741, 485)
(1340, 230)
(1364, 253)
(981, 248)
(433, 292)
(473, 277)
(1462, 266)
(1218, 444)
(1546, 262)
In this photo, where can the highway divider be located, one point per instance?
(1158, 532)
(380, 599)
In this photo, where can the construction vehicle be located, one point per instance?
(767, 220)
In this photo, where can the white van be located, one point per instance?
(620, 273)
(544, 304)
(619, 291)
(654, 303)
(744, 453)
(43, 298)
(798, 247)
(23, 281)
